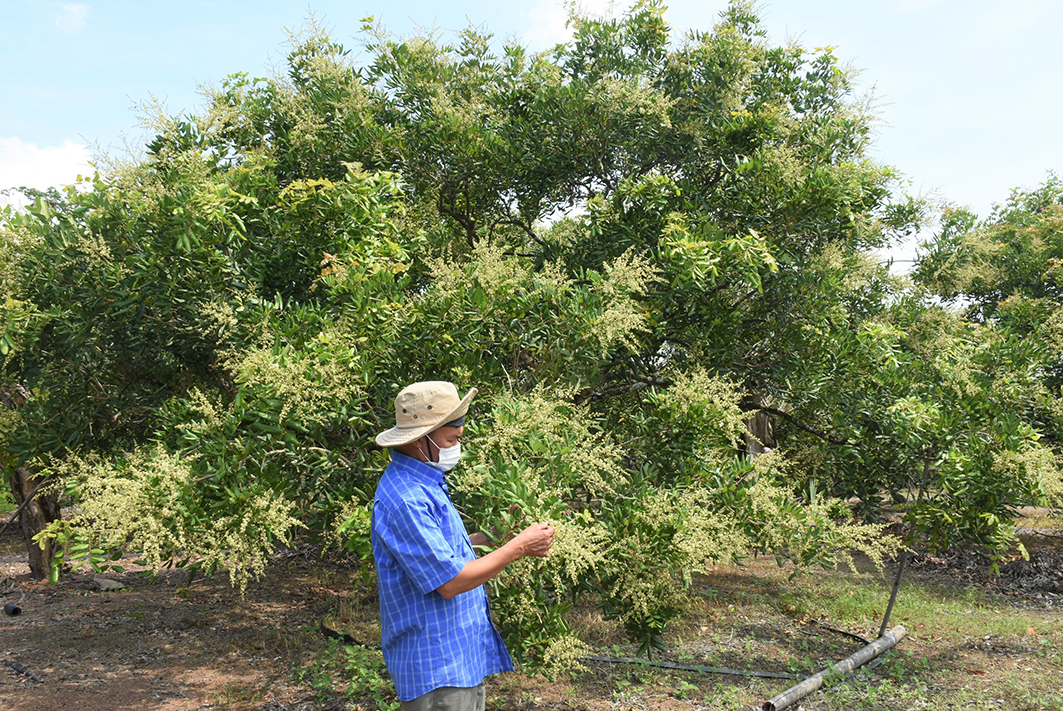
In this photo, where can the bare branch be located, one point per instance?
(800, 425)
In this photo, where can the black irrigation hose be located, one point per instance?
(721, 670)
(850, 635)
(862, 640)
(347, 639)
(856, 637)
(690, 667)
(23, 670)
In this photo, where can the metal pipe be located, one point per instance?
(859, 658)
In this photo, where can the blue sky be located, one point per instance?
(969, 94)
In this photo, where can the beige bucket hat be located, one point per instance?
(422, 408)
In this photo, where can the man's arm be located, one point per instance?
(534, 540)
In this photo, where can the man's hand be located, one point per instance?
(481, 538)
(535, 540)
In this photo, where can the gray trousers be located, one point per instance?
(448, 698)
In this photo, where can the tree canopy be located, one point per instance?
(634, 244)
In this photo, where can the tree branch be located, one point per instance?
(641, 382)
(447, 204)
(503, 220)
(716, 176)
(800, 425)
(23, 505)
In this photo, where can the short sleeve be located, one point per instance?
(411, 532)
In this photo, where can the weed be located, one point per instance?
(683, 688)
(236, 695)
(900, 664)
(804, 665)
(355, 671)
(884, 694)
(723, 697)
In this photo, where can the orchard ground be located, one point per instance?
(977, 640)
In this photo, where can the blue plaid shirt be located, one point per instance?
(419, 543)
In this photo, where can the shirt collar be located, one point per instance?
(419, 468)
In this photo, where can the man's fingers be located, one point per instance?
(540, 538)
(548, 541)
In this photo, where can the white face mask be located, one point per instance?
(448, 457)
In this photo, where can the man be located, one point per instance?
(437, 636)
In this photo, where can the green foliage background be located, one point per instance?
(632, 244)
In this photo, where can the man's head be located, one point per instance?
(429, 417)
(440, 447)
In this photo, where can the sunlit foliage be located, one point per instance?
(633, 245)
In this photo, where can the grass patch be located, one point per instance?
(923, 607)
(968, 648)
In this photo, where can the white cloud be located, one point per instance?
(546, 20)
(27, 165)
(71, 16)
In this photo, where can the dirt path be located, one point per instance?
(160, 644)
(166, 645)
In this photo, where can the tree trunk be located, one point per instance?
(760, 430)
(35, 517)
